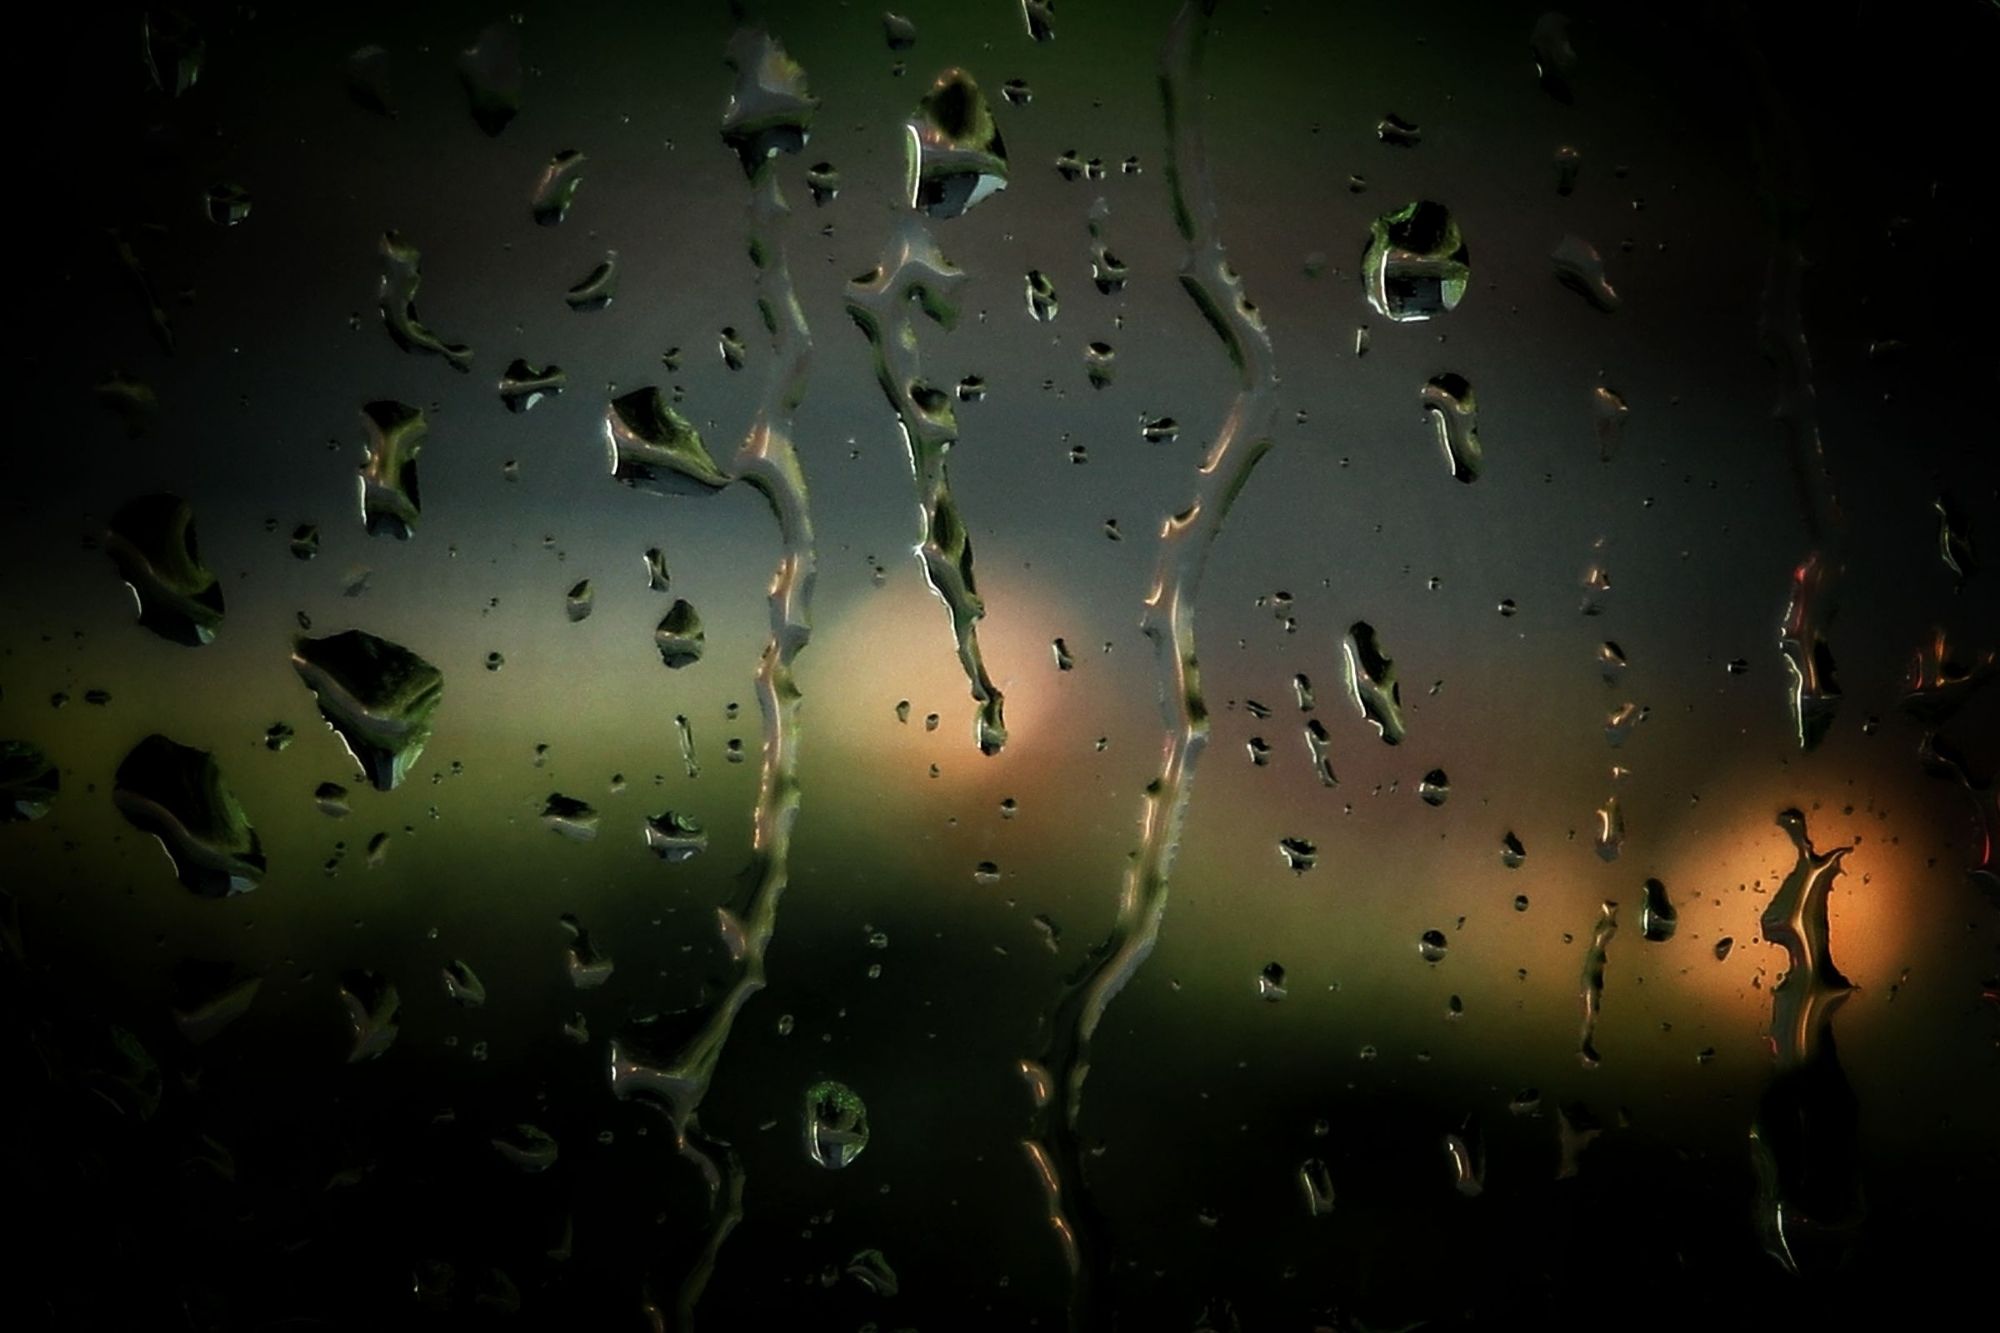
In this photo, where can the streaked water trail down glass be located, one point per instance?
(771, 88)
(1804, 1141)
(914, 267)
(1812, 694)
(1056, 1077)
(1593, 983)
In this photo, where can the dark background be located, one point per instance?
(342, 1181)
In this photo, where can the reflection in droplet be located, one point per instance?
(675, 837)
(1415, 265)
(1432, 946)
(1271, 982)
(1300, 854)
(572, 818)
(1435, 787)
(955, 154)
(522, 386)
(836, 1124)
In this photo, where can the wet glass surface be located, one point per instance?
(1005, 665)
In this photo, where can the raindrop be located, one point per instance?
(836, 1124)
(573, 819)
(1454, 416)
(1041, 296)
(1608, 413)
(1432, 946)
(1435, 788)
(1555, 58)
(403, 276)
(1580, 268)
(463, 985)
(490, 72)
(176, 793)
(1098, 364)
(1610, 830)
(152, 542)
(579, 601)
(824, 182)
(654, 448)
(373, 1013)
(1300, 855)
(1415, 265)
(366, 73)
(656, 569)
(956, 157)
(1393, 130)
(1316, 1184)
(522, 386)
(588, 968)
(226, 204)
(1569, 163)
(376, 695)
(556, 190)
(390, 500)
(1657, 918)
(1512, 853)
(594, 290)
(29, 782)
(1271, 982)
(675, 837)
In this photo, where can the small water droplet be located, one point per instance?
(836, 1124)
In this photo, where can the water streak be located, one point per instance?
(1813, 696)
(768, 462)
(913, 268)
(1804, 1141)
(1057, 1076)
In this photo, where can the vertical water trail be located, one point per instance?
(1804, 1141)
(1592, 986)
(1813, 693)
(1057, 1077)
(768, 114)
(912, 267)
